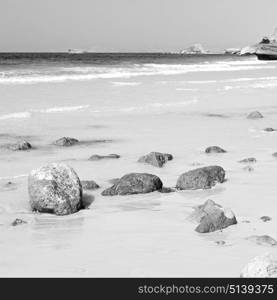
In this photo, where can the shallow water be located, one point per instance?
(169, 105)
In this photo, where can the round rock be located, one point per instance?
(55, 188)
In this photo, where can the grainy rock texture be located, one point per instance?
(89, 185)
(264, 266)
(99, 157)
(20, 146)
(215, 149)
(134, 183)
(156, 159)
(66, 142)
(55, 188)
(255, 115)
(212, 217)
(201, 178)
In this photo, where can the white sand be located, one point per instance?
(141, 235)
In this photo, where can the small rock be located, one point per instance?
(166, 190)
(248, 160)
(201, 178)
(135, 183)
(212, 217)
(264, 240)
(269, 129)
(156, 159)
(274, 154)
(99, 157)
(264, 266)
(215, 149)
(55, 188)
(265, 218)
(20, 146)
(18, 222)
(248, 168)
(66, 142)
(255, 115)
(221, 243)
(245, 221)
(89, 185)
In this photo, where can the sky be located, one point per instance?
(133, 25)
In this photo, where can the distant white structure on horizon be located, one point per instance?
(194, 49)
(76, 51)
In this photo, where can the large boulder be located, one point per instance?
(55, 188)
(264, 266)
(99, 157)
(66, 142)
(201, 178)
(215, 149)
(156, 159)
(134, 183)
(20, 146)
(255, 115)
(212, 216)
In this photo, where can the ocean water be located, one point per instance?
(132, 104)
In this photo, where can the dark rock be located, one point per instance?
(255, 115)
(166, 190)
(248, 160)
(99, 157)
(220, 243)
(55, 188)
(269, 129)
(17, 222)
(201, 178)
(264, 240)
(265, 218)
(20, 146)
(274, 154)
(248, 169)
(212, 217)
(89, 185)
(215, 149)
(135, 183)
(66, 142)
(156, 159)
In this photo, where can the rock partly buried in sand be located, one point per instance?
(249, 160)
(201, 178)
(66, 142)
(269, 129)
(265, 218)
(255, 115)
(215, 149)
(135, 183)
(212, 217)
(264, 266)
(248, 169)
(89, 185)
(156, 159)
(17, 222)
(274, 154)
(55, 188)
(264, 240)
(99, 157)
(20, 146)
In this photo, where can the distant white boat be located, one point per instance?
(75, 51)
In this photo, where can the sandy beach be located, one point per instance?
(132, 107)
